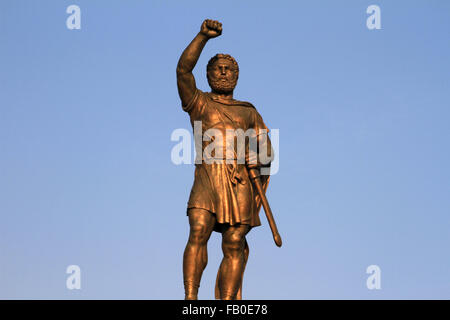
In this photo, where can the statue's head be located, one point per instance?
(222, 73)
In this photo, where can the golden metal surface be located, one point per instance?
(224, 197)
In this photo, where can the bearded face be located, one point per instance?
(222, 76)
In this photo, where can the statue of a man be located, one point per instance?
(222, 198)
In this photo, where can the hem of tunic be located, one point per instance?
(217, 226)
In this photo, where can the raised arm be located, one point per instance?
(189, 57)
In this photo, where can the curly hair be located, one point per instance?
(222, 56)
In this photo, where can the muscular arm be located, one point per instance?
(189, 58)
(187, 62)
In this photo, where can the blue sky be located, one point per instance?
(86, 176)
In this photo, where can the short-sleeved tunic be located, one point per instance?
(222, 186)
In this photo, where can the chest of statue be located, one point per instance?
(225, 117)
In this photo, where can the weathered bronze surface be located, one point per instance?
(228, 188)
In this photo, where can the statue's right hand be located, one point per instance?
(211, 28)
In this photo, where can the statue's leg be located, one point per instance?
(246, 253)
(239, 293)
(195, 256)
(233, 263)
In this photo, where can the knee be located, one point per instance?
(198, 234)
(233, 243)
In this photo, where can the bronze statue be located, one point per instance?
(228, 189)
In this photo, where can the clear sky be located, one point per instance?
(86, 117)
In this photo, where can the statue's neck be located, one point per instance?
(222, 96)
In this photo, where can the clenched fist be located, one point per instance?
(211, 28)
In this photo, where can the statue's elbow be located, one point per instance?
(180, 71)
